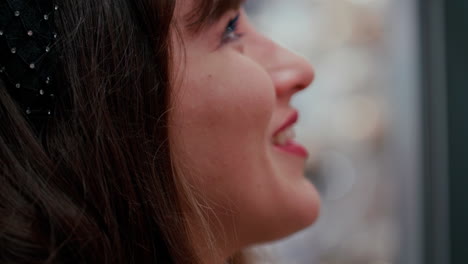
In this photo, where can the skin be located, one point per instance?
(228, 100)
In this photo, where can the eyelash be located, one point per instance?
(230, 33)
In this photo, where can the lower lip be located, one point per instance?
(294, 148)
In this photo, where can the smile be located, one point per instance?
(284, 137)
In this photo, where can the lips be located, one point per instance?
(283, 137)
(289, 122)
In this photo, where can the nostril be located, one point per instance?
(307, 77)
(285, 81)
(293, 78)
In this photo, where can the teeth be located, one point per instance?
(283, 137)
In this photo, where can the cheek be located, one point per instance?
(219, 95)
(221, 116)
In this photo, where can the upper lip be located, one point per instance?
(289, 122)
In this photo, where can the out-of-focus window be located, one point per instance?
(360, 122)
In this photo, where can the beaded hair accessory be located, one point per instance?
(28, 60)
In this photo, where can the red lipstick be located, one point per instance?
(289, 122)
(290, 145)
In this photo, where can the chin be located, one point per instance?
(302, 215)
(291, 215)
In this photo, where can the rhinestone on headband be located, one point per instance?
(28, 59)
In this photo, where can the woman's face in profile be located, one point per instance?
(230, 128)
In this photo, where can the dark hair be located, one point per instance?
(97, 185)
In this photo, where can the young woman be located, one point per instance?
(146, 132)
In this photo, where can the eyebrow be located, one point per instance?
(207, 12)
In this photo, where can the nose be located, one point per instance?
(290, 72)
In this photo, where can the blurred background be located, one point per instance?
(386, 134)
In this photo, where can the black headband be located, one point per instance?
(28, 58)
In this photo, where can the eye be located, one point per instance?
(231, 31)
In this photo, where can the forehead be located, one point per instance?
(198, 13)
